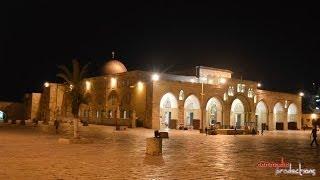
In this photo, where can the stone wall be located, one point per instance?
(13, 110)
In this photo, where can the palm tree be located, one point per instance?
(74, 81)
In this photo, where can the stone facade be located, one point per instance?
(210, 97)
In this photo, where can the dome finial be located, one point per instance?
(112, 54)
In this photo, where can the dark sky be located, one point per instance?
(277, 44)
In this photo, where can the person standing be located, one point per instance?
(56, 124)
(262, 131)
(314, 135)
(206, 131)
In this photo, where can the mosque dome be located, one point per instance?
(113, 67)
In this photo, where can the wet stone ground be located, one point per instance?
(28, 153)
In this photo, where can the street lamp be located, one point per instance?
(46, 84)
(259, 85)
(155, 77)
(202, 81)
(301, 94)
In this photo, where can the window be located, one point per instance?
(110, 115)
(254, 99)
(250, 93)
(112, 99)
(124, 114)
(103, 113)
(230, 91)
(241, 88)
(167, 103)
(181, 95)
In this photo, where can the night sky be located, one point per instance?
(277, 44)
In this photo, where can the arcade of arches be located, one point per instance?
(221, 114)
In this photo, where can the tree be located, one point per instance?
(74, 80)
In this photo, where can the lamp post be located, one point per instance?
(202, 80)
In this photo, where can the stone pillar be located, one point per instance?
(154, 146)
(133, 119)
(155, 115)
(299, 121)
(285, 120)
(226, 118)
(118, 112)
(181, 114)
(271, 124)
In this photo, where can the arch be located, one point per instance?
(2, 116)
(278, 116)
(237, 113)
(292, 116)
(213, 112)
(168, 110)
(261, 115)
(191, 110)
(168, 101)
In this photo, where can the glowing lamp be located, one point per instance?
(259, 84)
(222, 80)
(113, 82)
(140, 85)
(155, 77)
(46, 84)
(88, 85)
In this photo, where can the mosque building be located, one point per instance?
(209, 97)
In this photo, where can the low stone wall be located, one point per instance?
(229, 131)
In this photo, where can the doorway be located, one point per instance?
(238, 121)
(166, 119)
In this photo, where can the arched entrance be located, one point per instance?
(213, 112)
(2, 116)
(292, 117)
(261, 115)
(168, 110)
(278, 116)
(237, 114)
(192, 112)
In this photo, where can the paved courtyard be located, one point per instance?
(28, 153)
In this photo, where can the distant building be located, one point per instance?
(159, 101)
(11, 111)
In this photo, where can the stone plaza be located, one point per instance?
(31, 153)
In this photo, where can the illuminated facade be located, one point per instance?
(159, 101)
